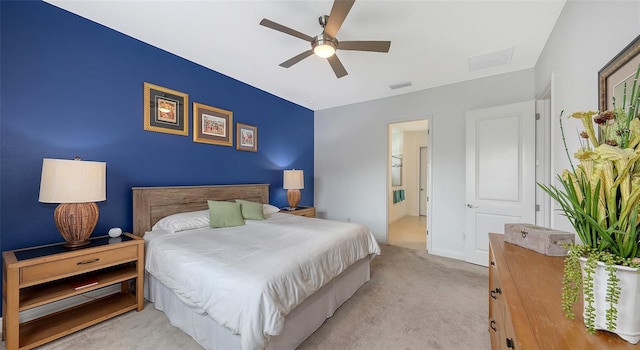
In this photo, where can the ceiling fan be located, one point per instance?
(326, 44)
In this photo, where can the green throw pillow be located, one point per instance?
(251, 210)
(224, 214)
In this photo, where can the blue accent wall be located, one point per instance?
(71, 87)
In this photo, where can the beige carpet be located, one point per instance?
(413, 301)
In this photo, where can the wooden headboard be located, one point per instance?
(151, 204)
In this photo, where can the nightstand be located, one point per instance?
(301, 211)
(38, 276)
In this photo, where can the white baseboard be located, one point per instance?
(448, 254)
(59, 305)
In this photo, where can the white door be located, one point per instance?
(422, 207)
(500, 173)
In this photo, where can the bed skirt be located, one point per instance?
(299, 324)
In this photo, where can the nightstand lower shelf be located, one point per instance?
(40, 295)
(54, 326)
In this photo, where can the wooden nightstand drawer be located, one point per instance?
(309, 212)
(73, 266)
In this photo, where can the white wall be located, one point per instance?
(586, 37)
(351, 153)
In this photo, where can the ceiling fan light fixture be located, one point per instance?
(324, 51)
(324, 46)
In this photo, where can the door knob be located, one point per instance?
(471, 206)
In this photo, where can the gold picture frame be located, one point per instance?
(212, 125)
(246, 137)
(165, 110)
(613, 75)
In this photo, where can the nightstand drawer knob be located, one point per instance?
(88, 261)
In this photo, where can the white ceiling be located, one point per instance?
(430, 41)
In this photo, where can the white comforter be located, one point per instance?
(249, 277)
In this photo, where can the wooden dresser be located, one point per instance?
(525, 304)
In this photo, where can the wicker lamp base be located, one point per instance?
(76, 222)
(294, 198)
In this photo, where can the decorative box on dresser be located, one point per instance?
(525, 304)
(309, 212)
(38, 276)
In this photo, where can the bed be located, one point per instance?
(299, 277)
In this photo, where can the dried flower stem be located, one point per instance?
(634, 97)
(564, 141)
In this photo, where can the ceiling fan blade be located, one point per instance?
(290, 62)
(375, 46)
(337, 66)
(279, 27)
(339, 12)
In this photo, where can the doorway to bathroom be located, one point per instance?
(408, 184)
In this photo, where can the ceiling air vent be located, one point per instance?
(490, 59)
(400, 85)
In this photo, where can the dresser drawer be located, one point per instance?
(76, 265)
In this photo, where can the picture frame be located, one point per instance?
(212, 125)
(611, 78)
(165, 110)
(246, 137)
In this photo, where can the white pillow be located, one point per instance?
(183, 221)
(268, 209)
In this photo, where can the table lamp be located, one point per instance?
(293, 182)
(76, 185)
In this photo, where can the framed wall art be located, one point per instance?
(165, 110)
(618, 74)
(246, 137)
(212, 125)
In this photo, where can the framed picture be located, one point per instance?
(618, 74)
(165, 110)
(212, 125)
(246, 137)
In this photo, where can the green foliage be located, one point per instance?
(572, 280)
(580, 203)
(589, 298)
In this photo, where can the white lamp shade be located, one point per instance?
(72, 181)
(293, 180)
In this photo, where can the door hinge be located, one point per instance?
(537, 116)
(537, 207)
(428, 131)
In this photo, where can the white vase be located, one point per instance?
(628, 321)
